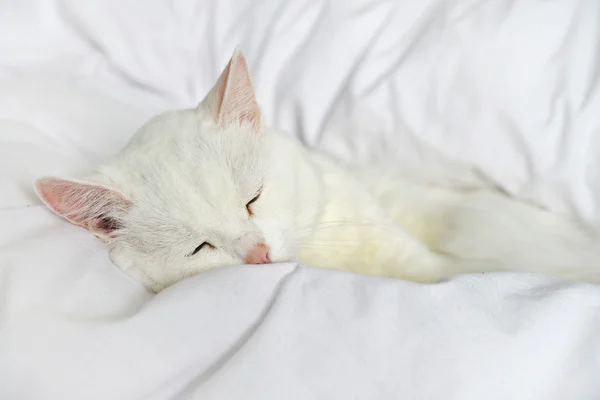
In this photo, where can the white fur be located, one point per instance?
(188, 177)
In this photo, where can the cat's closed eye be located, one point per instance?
(249, 204)
(197, 249)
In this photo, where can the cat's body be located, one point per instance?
(209, 187)
(384, 224)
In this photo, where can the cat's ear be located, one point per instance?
(95, 207)
(232, 99)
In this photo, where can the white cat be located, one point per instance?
(209, 187)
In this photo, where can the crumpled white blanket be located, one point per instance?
(502, 93)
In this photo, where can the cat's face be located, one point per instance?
(195, 190)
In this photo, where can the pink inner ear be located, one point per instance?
(91, 206)
(232, 99)
(239, 101)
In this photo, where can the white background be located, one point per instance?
(501, 93)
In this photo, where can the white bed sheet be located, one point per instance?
(502, 93)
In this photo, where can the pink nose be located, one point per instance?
(258, 255)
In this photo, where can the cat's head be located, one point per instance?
(196, 189)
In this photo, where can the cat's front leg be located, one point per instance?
(395, 253)
(381, 249)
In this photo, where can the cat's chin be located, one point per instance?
(125, 264)
(281, 258)
(282, 261)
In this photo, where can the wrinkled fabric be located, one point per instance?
(501, 93)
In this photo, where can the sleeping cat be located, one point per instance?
(213, 186)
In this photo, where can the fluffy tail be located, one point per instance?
(488, 232)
